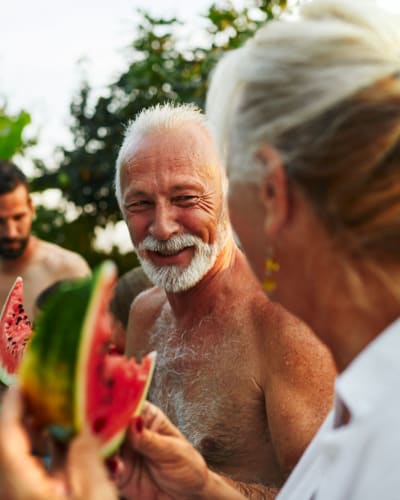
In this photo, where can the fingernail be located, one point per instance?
(139, 424)
(112, 464)
(112, 349)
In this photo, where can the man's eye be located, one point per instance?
(185, 199)
(139, 205)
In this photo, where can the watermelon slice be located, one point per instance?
(15, 331)
(70, 379)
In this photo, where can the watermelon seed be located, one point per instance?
(99, 424)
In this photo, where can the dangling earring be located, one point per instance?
(271, 267)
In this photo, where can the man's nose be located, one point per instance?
(164, 224)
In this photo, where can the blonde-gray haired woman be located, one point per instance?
(308, 120)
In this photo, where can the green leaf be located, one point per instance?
(11, 131)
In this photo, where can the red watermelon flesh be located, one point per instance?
(122, 386)
(15, 331)
(112, 387)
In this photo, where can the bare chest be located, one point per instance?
(207, 385)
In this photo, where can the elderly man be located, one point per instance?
(246, 382)
(39, 262)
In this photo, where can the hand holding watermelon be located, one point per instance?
(72, 386)
(67, 374)
(22, 476)
(165, 464)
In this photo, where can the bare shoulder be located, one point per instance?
(143, 313)
(289, 344)
(298, 375)
(148, 304)
(61, 262)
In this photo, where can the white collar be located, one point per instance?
(376, 370)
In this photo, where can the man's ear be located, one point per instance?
(273, 190)
(31, 205)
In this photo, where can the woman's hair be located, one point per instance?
(322, 88)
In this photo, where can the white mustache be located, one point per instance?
(174, 244)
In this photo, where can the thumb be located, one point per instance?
(87, 474)
(154, 419)
(158, 448)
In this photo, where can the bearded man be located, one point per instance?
(245, 381)
(39, 262)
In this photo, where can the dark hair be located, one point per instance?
(127, 288)
(11, 177)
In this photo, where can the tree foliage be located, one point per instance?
(11, 133)
(162, 68)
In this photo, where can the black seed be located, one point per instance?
(99, 424)
(110, 382)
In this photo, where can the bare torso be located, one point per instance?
(44, 264)
(214, 372)
(209, 384)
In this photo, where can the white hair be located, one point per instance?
(174, 278)
(159, 117)
(294, 70)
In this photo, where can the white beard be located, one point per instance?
(173, 278)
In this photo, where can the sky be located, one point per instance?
(42, 42)
(41, 45)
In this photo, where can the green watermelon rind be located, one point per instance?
(6, 377)
(102, 279)
(48, 354)
(105, 281)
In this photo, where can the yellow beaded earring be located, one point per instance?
(271, 266)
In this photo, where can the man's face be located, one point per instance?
(172, 204)
(16, 214)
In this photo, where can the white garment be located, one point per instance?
(360, 460)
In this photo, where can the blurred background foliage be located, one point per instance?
(12, 141)
(160, 67)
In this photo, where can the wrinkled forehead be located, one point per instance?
(16, 199)
(187, 150)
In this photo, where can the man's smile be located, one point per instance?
(170, 257)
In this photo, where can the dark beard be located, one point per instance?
(9, 253)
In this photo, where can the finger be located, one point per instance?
(155, 420)
(10, 426)
(158, 448)
(16, 461)
(12, 406)
(87, 474)
(116, 467)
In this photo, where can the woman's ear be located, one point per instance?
(273, 190)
